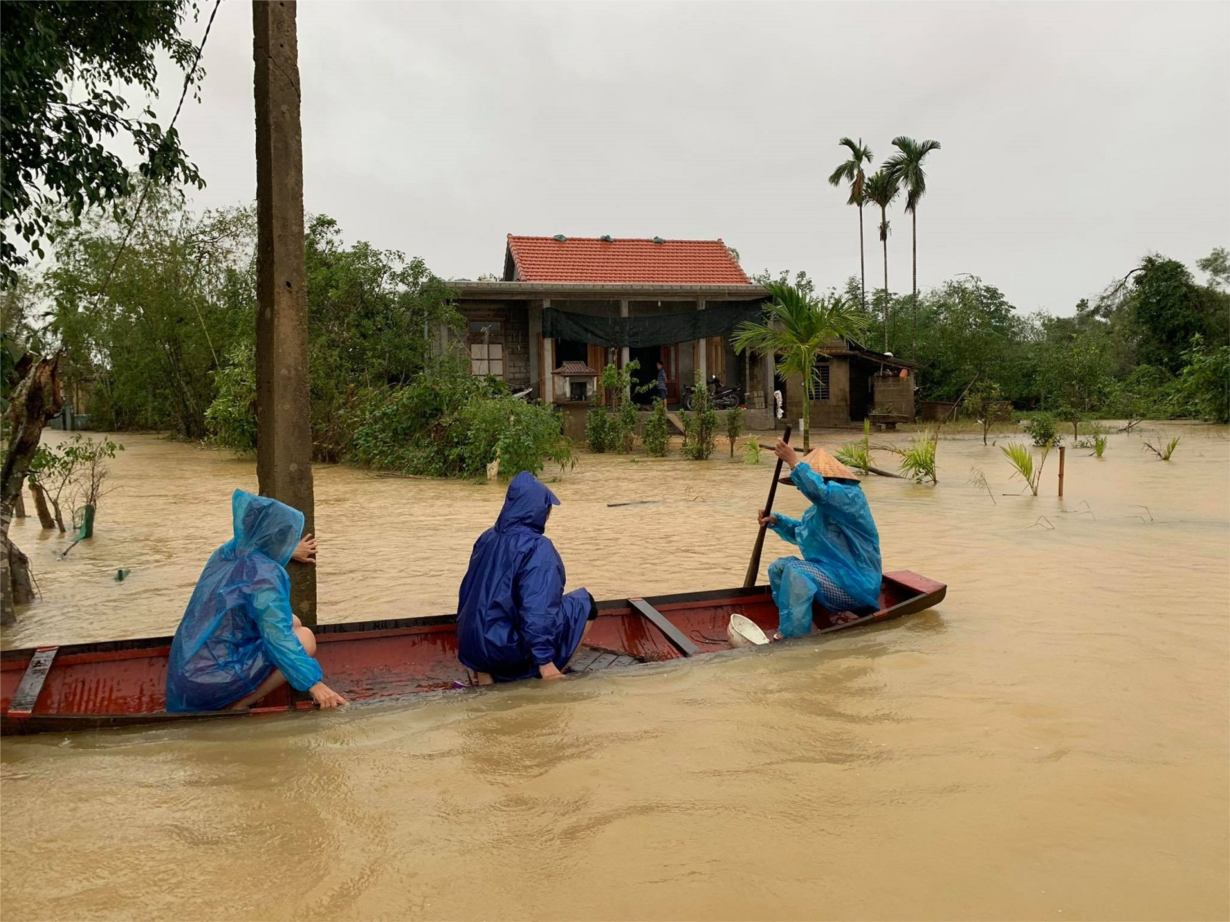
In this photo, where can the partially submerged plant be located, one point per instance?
(752, 452)
(857, 455)
(1042, 430)
(979, 480)
(1022, 460)
(657, 436)
(1099, 445)
(1166, 451)
(734, 426)
(918, 460)
(700, 427)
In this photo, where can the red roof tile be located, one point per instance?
(589, 259)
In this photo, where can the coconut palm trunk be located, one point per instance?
(906, 166)
(882, 189)
(851, 171)
(914, 302)
(862, 258)
(888, 304)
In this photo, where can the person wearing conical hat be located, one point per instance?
(837, 536)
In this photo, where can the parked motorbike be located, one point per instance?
(723, 398)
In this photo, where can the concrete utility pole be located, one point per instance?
(284, 427)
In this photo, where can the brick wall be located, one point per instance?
(516, 334)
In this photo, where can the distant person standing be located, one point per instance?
(661, 382)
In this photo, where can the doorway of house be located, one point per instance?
(647, 357)
(862, 391)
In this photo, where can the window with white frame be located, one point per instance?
(486, 343)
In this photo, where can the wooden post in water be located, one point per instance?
(1061, 453)
(284, 430)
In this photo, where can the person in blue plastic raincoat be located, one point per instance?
(514, 620)
(238, 639)
(841, 546)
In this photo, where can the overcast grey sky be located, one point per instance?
(1076, 136)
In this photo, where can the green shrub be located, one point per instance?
(657, 437)
(522, 435)
(599, 430)
(700, 427)
(623, 427)
(415, 429)
(1042, 430)
(451, 426)
(734, 426)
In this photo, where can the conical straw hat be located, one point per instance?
(826, 465)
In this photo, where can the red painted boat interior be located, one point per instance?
(387, 659)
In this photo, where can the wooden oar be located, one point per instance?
(753, 566)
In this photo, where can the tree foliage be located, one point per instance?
(61, 62)
(181, 295)
(1167, 311)
(797, 328)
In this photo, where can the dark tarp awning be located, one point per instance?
(652, 330)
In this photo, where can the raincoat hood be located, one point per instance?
(265, 525)
(527, 504)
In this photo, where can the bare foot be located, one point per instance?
(484, 678)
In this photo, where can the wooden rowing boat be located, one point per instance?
(122, 683)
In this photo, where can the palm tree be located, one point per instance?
(882, 188)
(852, 172)
(798, 327)
(907, 167)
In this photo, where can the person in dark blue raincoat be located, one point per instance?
(238, 639)
(514, 620)
(840, 543)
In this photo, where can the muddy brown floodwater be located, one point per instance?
(1053, 742)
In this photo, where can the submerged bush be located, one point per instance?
(1042, 430)
(734, 426)
(453, 427)
(522, 436)
(599, 430)
(657, 436)
(700, 427)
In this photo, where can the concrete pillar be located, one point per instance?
(534, 314)
(548, 366)
(625, 354)
(284, 428)
(702, 359)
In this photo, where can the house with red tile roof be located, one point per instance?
(586, 302)
(602, 300)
